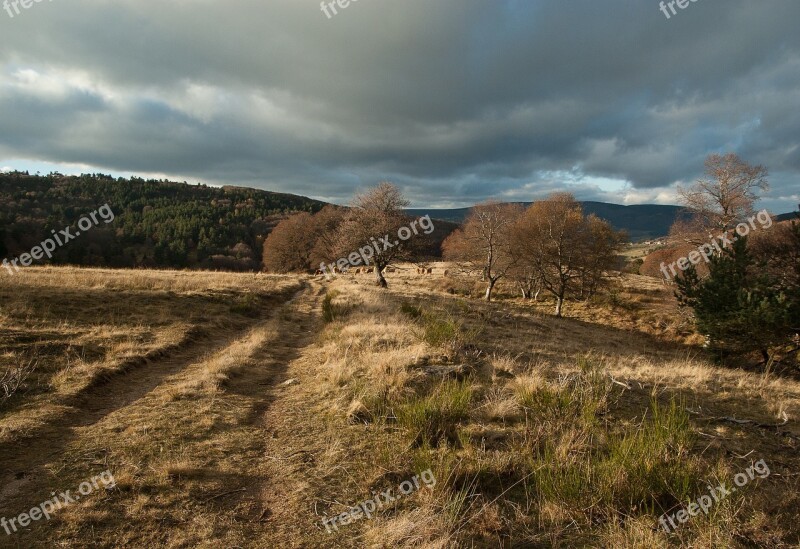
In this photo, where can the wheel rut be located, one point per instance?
(22, 460)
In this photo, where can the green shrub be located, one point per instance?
(444, 331)
(378, 403)
(440, 332)
(743, 305)
(614, 299)
(648, 466)
(583, 397)
(545, 401)
(435, 417)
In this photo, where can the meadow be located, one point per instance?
(240, 410)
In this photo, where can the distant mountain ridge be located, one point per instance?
(641, 221)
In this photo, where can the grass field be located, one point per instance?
(242, 410)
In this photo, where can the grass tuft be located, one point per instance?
(411, 310)
(330, 311)
(435, 418)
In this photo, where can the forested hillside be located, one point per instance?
(157, 223)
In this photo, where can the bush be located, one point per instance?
(581, 397)
(615, 300)
(648, 465)
(13, 378)
(633, 266)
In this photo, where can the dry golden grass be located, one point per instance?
(641, 354)
(81, 326)
(254, 419)
(114, 349)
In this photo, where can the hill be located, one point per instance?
(156, 223)
(642, 221)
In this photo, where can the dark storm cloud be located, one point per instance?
(456, 100)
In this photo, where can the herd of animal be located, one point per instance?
(368, 270)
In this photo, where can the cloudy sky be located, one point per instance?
(455, 100)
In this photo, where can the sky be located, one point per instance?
(455, 101)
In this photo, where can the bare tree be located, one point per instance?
(601, 255)
(527, 279)
(723, 198)
(484, 243)
(373, 222)
(551, 234)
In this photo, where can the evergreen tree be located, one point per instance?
(740, 306)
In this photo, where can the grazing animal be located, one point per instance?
(430, 271)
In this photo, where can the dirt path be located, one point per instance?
(276, 507)
(22, 462)
(307, 461)
(218, 457)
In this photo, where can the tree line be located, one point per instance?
(550, 246)
(746, 299)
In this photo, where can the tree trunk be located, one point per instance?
(379, 280)
(536, 295)
(559, 305)
(526, 293)
(489, 289)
